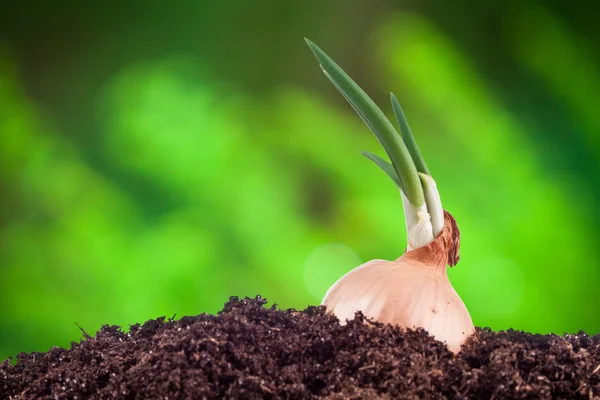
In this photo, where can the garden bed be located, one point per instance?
(252, 351)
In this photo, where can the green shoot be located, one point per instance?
(434, 203)
(385, 167)
(408, 137)
(383, 129)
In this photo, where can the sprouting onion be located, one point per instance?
(413, 291)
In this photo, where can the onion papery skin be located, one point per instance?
(411, 292)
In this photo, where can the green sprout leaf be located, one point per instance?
(383, 129)
(408, 137)
(385, 167)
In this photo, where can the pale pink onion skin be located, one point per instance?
(411, 292)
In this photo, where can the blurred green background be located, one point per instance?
(155, 160)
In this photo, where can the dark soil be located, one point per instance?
(249, 351)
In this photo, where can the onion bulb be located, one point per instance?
(413, 291)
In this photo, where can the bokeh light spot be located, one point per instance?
(325, 265)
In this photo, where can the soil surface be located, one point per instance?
(249, 351)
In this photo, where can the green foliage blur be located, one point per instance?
(156, 162)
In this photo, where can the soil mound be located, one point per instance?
(249, 351)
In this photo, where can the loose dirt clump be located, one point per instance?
(249, 351)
